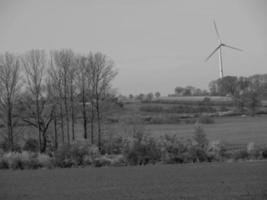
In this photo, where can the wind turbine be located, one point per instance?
(219, 49)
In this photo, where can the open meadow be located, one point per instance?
(235, 131)
(243, 180)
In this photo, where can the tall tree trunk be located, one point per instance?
(43, 149)
(38, 122)
(98, 123)
(10, 127)
(66, 108)
(55, 132)
(92, 119)
(72, 112)
(84, 115)
(62, 123)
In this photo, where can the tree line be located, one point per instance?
(246, 92)
(55, 89)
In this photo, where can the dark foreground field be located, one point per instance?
(247, 180)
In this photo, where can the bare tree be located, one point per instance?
(72, 77)
(56, 90)
(64, 60)
(39, 112)
(81, 84)
(10, 85)
(102, 73)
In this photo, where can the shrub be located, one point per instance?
(13, 159)
(198, 154)
(141, 150)
(25, 160)
(109, 160)
(117, 160)
(63, 156)
(79, 153)
(253, 151)
(216, 151)
(200, 137)
(44, 160)
(32, 145)
(174, 150)
(240, 155)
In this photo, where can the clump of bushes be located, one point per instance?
(174, 150)
(135, 149)
(25, 160)
(78, 153)
(141, 150)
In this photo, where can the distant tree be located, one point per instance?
(228, 85)
(157, 94)
(140, 97)
(149, 96)
(178, 91)
(131, 96)
(10, 84)
(245, 92)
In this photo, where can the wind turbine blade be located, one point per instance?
(217, 32)
(231, 47)
(214, 51)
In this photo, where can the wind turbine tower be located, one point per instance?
(219, 49)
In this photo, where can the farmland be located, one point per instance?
(246, 180)
(232, 130)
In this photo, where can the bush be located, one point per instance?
(174, 150)
(141, 150)
(240, 155)
(216, 151)
(14, 160)
(109, 160)
(79, 153)
(32, 145)
(200, 137)
(44, 160)
(198, 154)
(25, 160)
(63, 156)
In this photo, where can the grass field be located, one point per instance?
(232, 130)
(246, 180)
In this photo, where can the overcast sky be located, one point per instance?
(156, 44)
